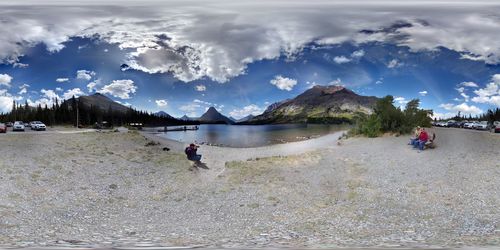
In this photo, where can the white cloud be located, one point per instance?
(489, 94)
(442, 116)
(251, 109)
(217, 40)
(358, 54)
(24, 85)
(6, 103)
(461, 90)
(283, 83)
(59, 89)
(401, 100)
(341, 59)
(20, 65)
(423, 93)
(394, 63)
(5, 80)
(469, 84)
(201, 87)
(76, 92)
(92, 85)
(50, 94)
(464, 108)
(120, 88)
(84, 74)
(63, 79)
(47, 98)
(23, 91)
(161, 103)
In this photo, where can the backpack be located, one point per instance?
(186, 151)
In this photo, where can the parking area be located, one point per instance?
(493, 127)
(29, 130)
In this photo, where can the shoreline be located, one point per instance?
(216, 157)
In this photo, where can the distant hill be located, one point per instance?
(320, 104)
(187, 118)
(274, 106)
(163, 114)
(246, 118)
(102, 102)
(97, 107)
(212, 116)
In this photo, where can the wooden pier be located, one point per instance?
(178, 128)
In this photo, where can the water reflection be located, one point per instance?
(252, 136)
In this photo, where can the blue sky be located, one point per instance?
(185, 60)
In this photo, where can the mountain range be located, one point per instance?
(320, 104)
(102, 102)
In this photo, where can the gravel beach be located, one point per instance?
(122, 189)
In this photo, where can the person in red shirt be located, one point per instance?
(422, 139)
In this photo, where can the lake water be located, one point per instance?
(243, 136)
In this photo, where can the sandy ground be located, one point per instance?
(120, 189)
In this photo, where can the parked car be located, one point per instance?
(38, 125)
(442, 124)
(482, 125)
(18, 126)
(450, 123)
(496, 127)
(470, 125)
(459, 124)
(9, 124)
(3, 128)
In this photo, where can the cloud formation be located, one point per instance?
(217, 40)
(161, 103)
(489, 94)
(76, 92)
(84, 74)
(201, 88)
(283, 83)
(5, 80)
(464, 108)
(63, 79)
(120, 88)
(251, 109)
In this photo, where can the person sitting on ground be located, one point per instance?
(192, 155)
(422, 139)
(414, 139)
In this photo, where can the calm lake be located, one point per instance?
(243, 136)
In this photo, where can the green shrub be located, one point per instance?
(388, 118)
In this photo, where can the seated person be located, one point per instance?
(414, 139)
(191, 152)
(422, 139)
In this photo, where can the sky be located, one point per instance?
(240, 56)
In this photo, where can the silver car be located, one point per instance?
(38, 125)
(18, 126)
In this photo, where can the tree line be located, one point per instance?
(71, 112)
